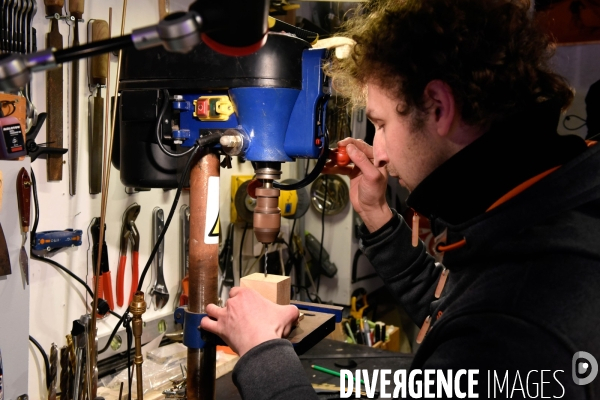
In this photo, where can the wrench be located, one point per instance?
(160, 292)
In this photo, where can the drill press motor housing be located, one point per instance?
(267, 106)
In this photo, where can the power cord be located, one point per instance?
(44, 356)
(157, 244)
(47, 260)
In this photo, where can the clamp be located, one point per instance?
(35, 150)
(193, 336)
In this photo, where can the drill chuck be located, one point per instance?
(267, 216)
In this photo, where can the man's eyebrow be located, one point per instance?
(372, 116)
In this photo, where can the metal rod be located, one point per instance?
(203, 273)
(92, 334)
(93, 49)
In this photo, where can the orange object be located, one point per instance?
(120, 274)
(185, 290)
(342, 158)
(226, 350)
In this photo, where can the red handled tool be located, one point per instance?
(105, 283)
(129, 233)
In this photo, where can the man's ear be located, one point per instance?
(442, 106)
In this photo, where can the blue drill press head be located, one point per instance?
(273, 100)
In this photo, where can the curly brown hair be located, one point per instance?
(490, 52)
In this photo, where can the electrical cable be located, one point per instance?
(320, 161)
(161, 113)
(65, 270)
(568, 118)
(44, 356)
(202, 141)
(313, 174)
(157, 244)
(47, 260)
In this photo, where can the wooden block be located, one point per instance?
(273, 287)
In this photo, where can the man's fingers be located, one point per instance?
(233, 291)
(292, 313)
(363, 162)
(209, 325)
(360, 144)
(215, 311)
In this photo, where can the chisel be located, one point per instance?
(24, 203)
(97, 80)
(76, 11)
(54, 95)
(4, 256)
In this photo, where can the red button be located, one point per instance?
(202, 108)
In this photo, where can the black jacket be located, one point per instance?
(522, 295)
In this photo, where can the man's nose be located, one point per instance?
(380, 158)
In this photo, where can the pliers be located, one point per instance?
(129, 233)
(105, 282)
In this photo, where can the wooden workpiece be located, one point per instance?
(272, 287)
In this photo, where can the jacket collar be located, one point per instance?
(510, 153)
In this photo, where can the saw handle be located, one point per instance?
(134, 274)
(98, 71)
(24, 198)
(120, 279)
(76, 8)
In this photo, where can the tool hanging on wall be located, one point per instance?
(12, 124)
(76, 11)
(159, 293)
(98, 80)
(105, 284)
(33, 149)
(182, 293)
(80, 343)
(5, 268)
(53, 372)
(54, 93)
(64, 373)
(48, 243)
(129, 233)
(24, 203)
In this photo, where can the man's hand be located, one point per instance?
(367, 185)
(248, 319)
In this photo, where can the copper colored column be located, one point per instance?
(203, 271)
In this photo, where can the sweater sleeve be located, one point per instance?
(409, 272)
(272, 371)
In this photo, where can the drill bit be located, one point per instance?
(266, 258)
(64, 373)
(53, 370)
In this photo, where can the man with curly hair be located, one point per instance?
(465, 108)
